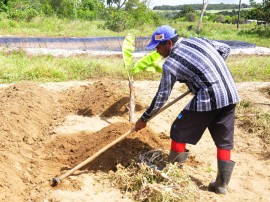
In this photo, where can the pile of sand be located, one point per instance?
(27, 112)
(31, 154)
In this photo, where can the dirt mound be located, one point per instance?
(104, 98)
(27, 112)
(73, 149)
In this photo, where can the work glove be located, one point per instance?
(140, 124)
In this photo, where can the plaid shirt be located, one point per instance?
(200, 64)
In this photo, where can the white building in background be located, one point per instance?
(257, 22)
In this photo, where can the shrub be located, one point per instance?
(86, 14)
(220, 18)
(235, 19)
(190, 17)
(259, 30)
(118, 20)
(27, 14)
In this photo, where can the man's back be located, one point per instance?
(200, 63)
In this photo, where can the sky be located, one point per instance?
(180, 2)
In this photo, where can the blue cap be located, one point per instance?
(162, 33)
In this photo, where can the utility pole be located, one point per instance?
(239, 9)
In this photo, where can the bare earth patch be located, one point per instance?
(48, 129)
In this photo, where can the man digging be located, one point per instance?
(200, 64)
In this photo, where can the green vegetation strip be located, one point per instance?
(250, 68)
(57, 27)
(17, 66)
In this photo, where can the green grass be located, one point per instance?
(41, 26)
(250, 67)
(219, 31)
(18, 66)
(55, 27)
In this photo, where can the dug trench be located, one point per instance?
(39, 140)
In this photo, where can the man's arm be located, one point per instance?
(165, 87)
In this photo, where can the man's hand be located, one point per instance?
(140, 125)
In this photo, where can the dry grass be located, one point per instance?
(147, 183)
(253, 120)
(266, 91)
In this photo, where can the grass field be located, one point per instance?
(16, 66)
(74, 28)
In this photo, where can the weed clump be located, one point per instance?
(146, 182)
(255, 121)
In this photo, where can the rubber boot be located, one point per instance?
(178, 157)
(225, 169)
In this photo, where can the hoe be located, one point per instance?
(57, 180)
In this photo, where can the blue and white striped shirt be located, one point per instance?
(200, 64)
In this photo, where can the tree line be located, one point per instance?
(119, 15)
(220, 6)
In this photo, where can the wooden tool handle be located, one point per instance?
(170, 104)
(117, 140)
(96, 154)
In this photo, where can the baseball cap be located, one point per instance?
(162, 33)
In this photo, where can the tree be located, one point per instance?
(202, 13)
(127, 52)
(187, 9)
(90, 9)
(266, 8)
(118, 3)
(135, 14)
(190, 17)
(3, 6)
(151, 62)
(220, 18)
(23, 9)
(261, 11)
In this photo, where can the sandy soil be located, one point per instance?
(48, 129)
